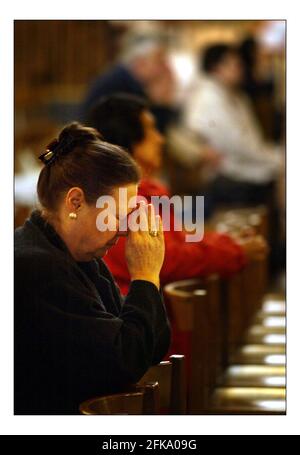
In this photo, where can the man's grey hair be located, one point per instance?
(137, 45)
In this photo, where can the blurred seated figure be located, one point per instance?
(218, 111)
(258, 83)
(126, 120)
(144, 71)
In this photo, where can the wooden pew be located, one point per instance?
(250, 284)
(217, 314)
(195, 306)
(171, 377)
(162, 390)
(254, 283)
(233, 316)
(142, 401)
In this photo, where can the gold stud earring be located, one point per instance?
(73, 215)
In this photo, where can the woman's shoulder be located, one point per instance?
(33, 254)
(28, 242)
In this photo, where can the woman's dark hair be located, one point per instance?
(213, 55)
(80, 158)
(118, 119)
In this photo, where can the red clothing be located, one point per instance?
(216, 253)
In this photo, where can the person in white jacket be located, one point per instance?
(217, 111)
(220, 114)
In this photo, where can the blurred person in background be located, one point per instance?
(249, 167)
(218, 111)
(258, 82)
(143, 70)
(127, 121)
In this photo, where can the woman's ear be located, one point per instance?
(74, 199)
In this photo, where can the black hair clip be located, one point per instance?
(50, 154)
(57, 148)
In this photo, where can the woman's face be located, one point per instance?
(84, 240)
(148, 152)
(231, 70)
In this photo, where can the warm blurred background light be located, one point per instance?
(56, 61)
(216, 90)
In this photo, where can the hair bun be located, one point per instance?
(75, 132)
(71, 136)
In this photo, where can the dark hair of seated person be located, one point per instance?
(118, 118)
(212, 56)
(79, 158)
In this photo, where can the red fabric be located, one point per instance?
(216, 253)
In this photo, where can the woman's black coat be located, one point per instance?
(75, 337)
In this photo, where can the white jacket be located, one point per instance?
(226, 121)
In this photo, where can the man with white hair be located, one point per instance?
(144, 71)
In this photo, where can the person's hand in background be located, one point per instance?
(255, 246)
(210, 157)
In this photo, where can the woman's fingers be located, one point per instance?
(145, 247)
(147, 220)
(159, 225)
(143, 210)
(151, 219)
